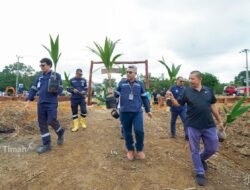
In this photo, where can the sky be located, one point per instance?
(200, 35)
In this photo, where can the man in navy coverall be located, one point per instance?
(176, 111)
(47, 105)
(78, 90)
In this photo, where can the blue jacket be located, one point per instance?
(40, 86)
(132, 103)
(80, 84)
(177, 91)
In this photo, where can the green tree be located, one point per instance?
(123, 70)
(156, 83)
(219, 88)
(209, 80)
(239, 79)
(26, 75)
(7, 79)
(98, 88)
(21, 68)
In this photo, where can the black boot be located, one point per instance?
(43, 149)
(200, 179)
(60, 139)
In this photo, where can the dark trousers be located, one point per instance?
(74, 107)
(174, 115)
(128, 120)
(47, 115)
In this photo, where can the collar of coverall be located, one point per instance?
(131, 81)
(47, 72)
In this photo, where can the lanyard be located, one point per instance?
(131, 87)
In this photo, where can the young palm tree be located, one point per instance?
(123, 70)
(53, 85)
(172, 72)
(237, 110)
(54, 51)
(106, 55)
(66, 76)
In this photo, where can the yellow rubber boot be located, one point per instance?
(82, 122)
(76, 124)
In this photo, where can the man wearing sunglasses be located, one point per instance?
(176, 111)
(132, 95)
(78, 90)
(47, 105)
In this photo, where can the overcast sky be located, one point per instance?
(204, 35)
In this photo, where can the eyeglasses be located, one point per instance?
(42, 65)
(129, 72)
(182, 81)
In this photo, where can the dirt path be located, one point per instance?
(95, 159)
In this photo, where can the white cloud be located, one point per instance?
(204, 35)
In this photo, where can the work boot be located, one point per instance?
(200, 179)
(43, 149)
(82, 122)
(60, 139)
(76, 125)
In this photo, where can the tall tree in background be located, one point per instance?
(209, 80)
(24, 70)
(8, 75)
(239, 79)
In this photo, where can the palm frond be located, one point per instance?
(54, 50)
(105, 53)
(172, 72)
(66, 76)
(236, 111)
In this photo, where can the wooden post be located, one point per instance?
(90, 83)
(147, 75)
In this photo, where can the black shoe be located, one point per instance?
(43, 149)
(122, 137)
(200, 179)
(186, 138)
(204, 163)
(60, 139)
(173, 136)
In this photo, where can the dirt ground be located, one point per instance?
(95, 158)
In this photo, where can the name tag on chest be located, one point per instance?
(131, 96)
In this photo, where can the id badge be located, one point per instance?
(131, 97)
